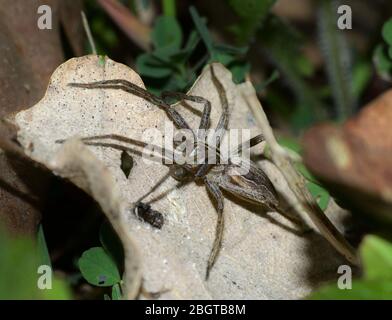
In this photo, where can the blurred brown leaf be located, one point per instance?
(355, 161)
(28, 58)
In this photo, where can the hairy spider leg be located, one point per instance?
(214, 189)
(216, 193)
(90, 141)
(222, 124)
(130, 87)
(205, 117)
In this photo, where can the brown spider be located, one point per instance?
(254, 186)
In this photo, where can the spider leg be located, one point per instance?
(205, 117)
(223, 122)
(90, 141)
(222, 125)
(154, 188)
(249, 143)
(130, 87)
(162, 152)
(216, 193)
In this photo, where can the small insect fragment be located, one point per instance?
(153, 217)
(126, 163)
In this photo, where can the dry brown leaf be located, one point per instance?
(260, 258)
(28, 58)
(356, 159)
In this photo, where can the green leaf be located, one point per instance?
(19, 262)
(251, 9)
(18, 268)
(169, 7)
(376, 256)
(382, 62)
(319, 193)
(180, 58)
(306, 173)
(222, 57)
(202, 29)
(228, 51)
(236, 51)
(148, 66)
(273, 77)
(167, 33)
(361, 290)
(163, 56)
(60, 290)
(192, 42)
(225, 54)
(362, 74)
(116, 292)
(283, 44)
(252, 14)
(387, 32)
(304, 66)
(239, 70)
(290, 143)
(98, 268)
(42, 247)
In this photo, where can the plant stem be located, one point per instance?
(337, 57)
(88, 33)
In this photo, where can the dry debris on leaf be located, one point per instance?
(261, 257)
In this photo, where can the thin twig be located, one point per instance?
(304, 201)
(88, 33)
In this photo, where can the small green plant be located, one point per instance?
(382, 56)
(230, 56)
(102, 266)
(376, 282)
(251, 15)
(282, 43)
(167, 66)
